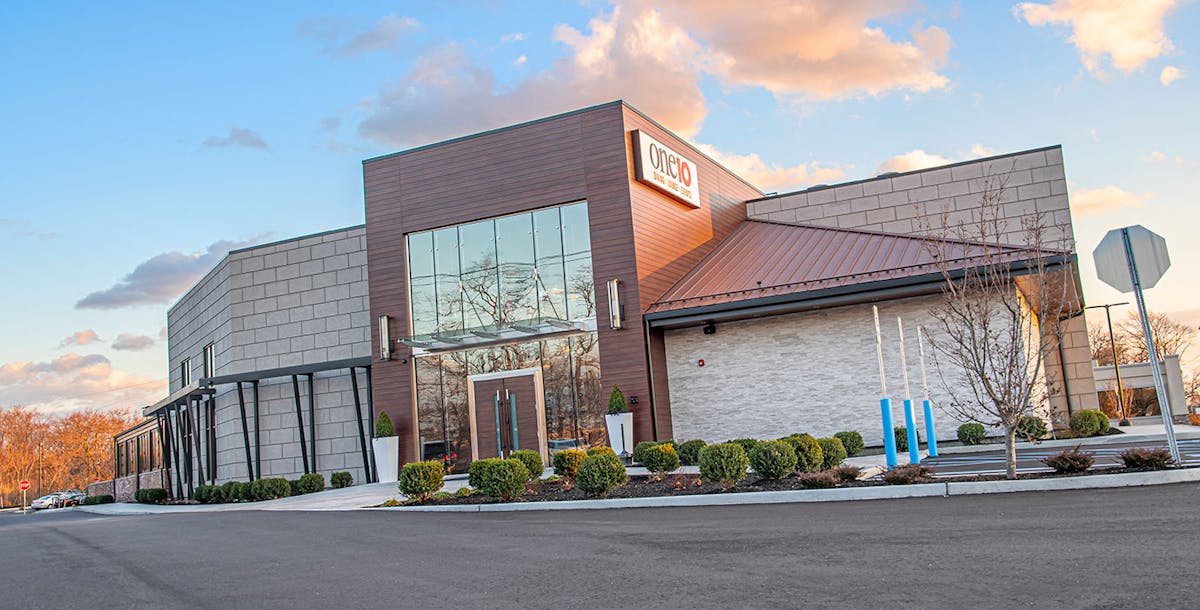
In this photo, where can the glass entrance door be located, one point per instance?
(507, 414)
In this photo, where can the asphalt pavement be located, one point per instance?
(1111, 548)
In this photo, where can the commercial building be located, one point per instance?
(516, 276)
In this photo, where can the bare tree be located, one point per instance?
(1001, 314)
(1170, 336)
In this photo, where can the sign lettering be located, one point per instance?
(664, 169)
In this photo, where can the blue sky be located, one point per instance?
(141, 140)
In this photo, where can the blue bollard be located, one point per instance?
(930, 435)
(910, 428)
(889, 435)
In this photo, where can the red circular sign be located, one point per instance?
(24, 485)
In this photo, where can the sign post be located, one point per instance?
(24, 485)
(1132, 259)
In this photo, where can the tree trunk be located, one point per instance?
(1010, 451)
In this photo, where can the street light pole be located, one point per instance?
(39, 468)
(1116, 363)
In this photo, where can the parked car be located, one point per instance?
(72, 497)
(46, 501)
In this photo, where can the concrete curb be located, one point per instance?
(1069, 442)
(888, 492)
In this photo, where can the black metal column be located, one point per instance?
(300, 421)
(312, 421)
(173, 432)
(362, 435)
(194, 426)
(245, 432)
(374, 473)
(257, 438)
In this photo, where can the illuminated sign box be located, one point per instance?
(664, 169)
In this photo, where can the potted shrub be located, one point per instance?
(620, 423)
(386, 446)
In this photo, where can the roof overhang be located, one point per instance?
(287, 371)
(180, 397)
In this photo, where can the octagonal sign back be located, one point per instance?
(1149, 253)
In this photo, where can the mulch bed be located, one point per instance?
(690, 484)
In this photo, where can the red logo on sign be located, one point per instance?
(24, 485)
(685, 173)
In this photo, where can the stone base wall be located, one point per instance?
(123, 488)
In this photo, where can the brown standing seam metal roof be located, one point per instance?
(761, 259)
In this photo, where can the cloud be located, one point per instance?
(21, 228)
(162, 277)
(1105, 200)
(514, 37)
(1154, 157)
(72, 382)
(132, 343)
(1170, 74)
(82, 337)
(1129, 34)
(655, 56)
(385, 34)
(237, 138)
(979, 150)
(773, 177)
(520, 61)
(912, 160)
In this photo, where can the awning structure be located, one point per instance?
(495, 334)
(766, 268)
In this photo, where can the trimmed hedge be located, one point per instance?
(566, 462)
(532, 461)
(661, 459)
(833, 453)
(605, 449)
(747, 444)
(150, 495)
(639, 450)
(773, 459)
(723, 463)
(689, 452)
(498, 478)
(902, 438)
(809, 457)
(209, 494)
(271, 488)
(100, 499)
(340, 479)
(971, 434)
(1089, 423)
(419, 480)
(601, 473)
(383, 426)
(852, 441)
(311, 483)
(229, 491)
(1032, 428)
(245, 491)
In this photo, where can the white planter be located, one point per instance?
(620, 432)
(387, 458)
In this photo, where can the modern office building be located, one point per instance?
(516, 276)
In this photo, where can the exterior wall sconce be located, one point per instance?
(616, 313)
(385, 338)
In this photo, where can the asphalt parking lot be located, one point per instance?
(1112, 548)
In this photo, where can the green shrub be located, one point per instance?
(311, 483)
(639, 450)
(566, 462)
(209, 494)
(833, 453)
(200, 494)
(1069, 461)
(532, 461)
(498, 478)
(808, 452)
(616, 402)
(418, 480)
(852, 441)
(818, 480)
(1148, 459)
(150, 495)
(229, 491)
(723, 463)
(971, 434)
(661, 459)
(1089, 423)
(294, 486)
(100, 499)
(689, 452)
(747, 444)
(601, 449)
(902, 438)
(846, 472)
(906, 474)
(601, 473)
(272, 488)
(773, 459)
(340, 479)
(245, 492)
(1031, 428)
(383, 426)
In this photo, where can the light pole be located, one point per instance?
(39, 468)
(1116, 363)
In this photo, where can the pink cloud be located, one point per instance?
(82, 337)
(1128, 34)
(74, 381)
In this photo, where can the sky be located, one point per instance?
(141, 141)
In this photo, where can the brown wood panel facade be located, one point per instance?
(638, 235)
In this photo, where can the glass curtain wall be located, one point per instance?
(498, 273)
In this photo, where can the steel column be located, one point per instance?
(312, 422)
(172, 430)
(362, 435)
(373, 474)
(300, 421)
(257, 438)
(195, 429)
(245, 432)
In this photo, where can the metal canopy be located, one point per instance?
(287, 371)
(495, 334)
(180, 397)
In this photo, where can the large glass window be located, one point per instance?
(502, 271)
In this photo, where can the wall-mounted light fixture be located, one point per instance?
(385, 338)
(616, 313)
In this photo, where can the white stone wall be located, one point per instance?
(814, 372)
(300, 301)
